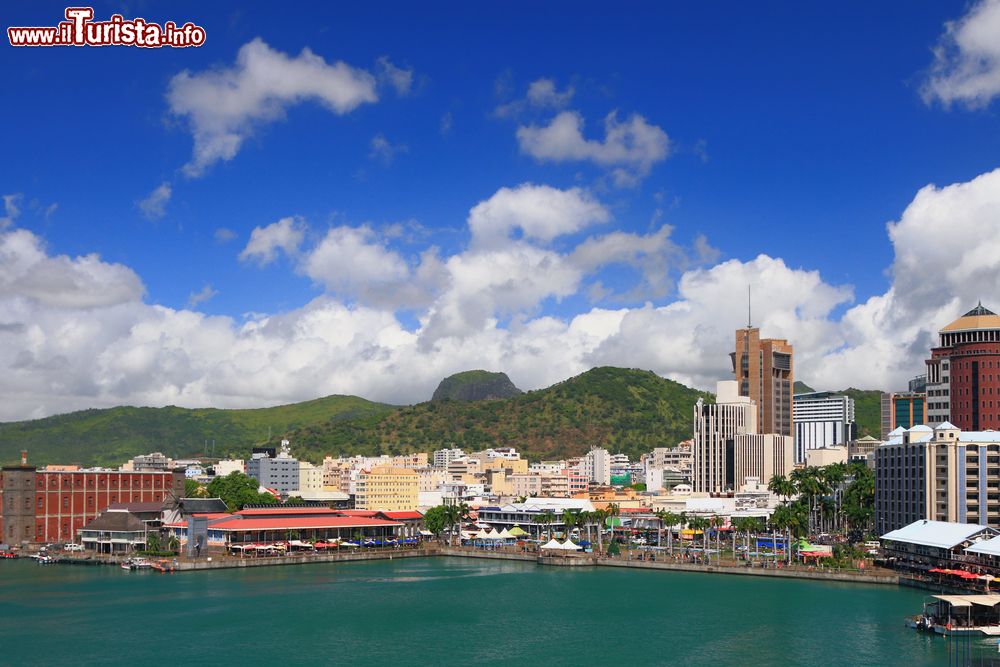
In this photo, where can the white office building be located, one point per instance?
(822, 419)
(596, 466)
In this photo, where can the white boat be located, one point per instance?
(44, 559)
(136, 564)
(959, 615)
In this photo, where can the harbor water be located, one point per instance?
(450, 611)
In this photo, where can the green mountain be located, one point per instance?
(112, 436)
(624, 410)
(867, 410)
(801, 387)
(475, 386)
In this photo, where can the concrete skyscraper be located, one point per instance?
(765, 373)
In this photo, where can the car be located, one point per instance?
(73, 547)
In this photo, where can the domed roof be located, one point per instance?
(977, 318)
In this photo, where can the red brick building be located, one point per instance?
(52, 505)
(963, 373)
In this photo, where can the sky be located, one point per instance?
(364, 199)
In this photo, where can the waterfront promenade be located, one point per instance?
(876, 576)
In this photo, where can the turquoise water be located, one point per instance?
(449, 612)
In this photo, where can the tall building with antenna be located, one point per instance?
(765, 372)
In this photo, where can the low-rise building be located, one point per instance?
(387, 488)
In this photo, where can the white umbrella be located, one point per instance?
(552, 544)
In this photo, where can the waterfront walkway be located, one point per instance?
(869, 576)
(432, 549)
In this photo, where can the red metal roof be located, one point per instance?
(403, 515)
(357, 512)
(271, 511)
(296, 523)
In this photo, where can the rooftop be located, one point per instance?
(301, 522)
(940, 534)
(977, 318)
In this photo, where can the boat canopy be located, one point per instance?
(969, 600)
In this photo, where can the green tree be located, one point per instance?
(237, 490)
(295, 500)
(173, 544)
(153, 542)
(191, 488)
(436, 519)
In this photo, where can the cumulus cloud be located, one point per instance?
(285, 235)
(155, 205)
(538, 212)
(630, 148)
(27, 273)
(76, 332)
(224, 106)
(966, 66)
(352, 261)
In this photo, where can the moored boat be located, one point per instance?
(959, 615)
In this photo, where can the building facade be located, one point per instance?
(822, 419)
(50, 506)
(963, 373)
(765, 373)
(387, 488)
(760, 456)
(716, 426)
(942, 474)
(596, 466)
(280, 473)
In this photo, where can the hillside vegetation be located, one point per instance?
(624, 410)
(475, 386)
(112, 436)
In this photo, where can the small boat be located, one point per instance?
(135, 564)
(959, 615)
(162, 566)
(7, 554)
(45, 559)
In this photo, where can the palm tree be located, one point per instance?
(539, 518)
(570, 519)
(780, 486)
(600, 516)
(613, 511)
(585, 518)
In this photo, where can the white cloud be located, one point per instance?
(446, 123)
(538, 212)
(11, 209)
(155, 205)
(351, 261)
(28, 273)
(542, 94)
(399, 78)
(383, 150)
(631, 147)
(224, 235)
(966, 65)
(224, 106)
(201, 296)
(482, 307)
(265, 242)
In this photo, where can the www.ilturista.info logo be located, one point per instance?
(79, 29)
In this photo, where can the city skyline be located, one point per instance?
(300, 210)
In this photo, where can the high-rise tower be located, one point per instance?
(764, 372)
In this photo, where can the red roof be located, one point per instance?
(295, 523)
(634, 510)
(403, 515)
(271, 511)
(214, 515)
(357, 512)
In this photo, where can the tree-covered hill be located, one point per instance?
(624, 410)
(111, 436)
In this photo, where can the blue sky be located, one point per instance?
(795, 131)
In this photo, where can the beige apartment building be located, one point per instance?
(761, 456)
(943, 474)
(387, 488)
